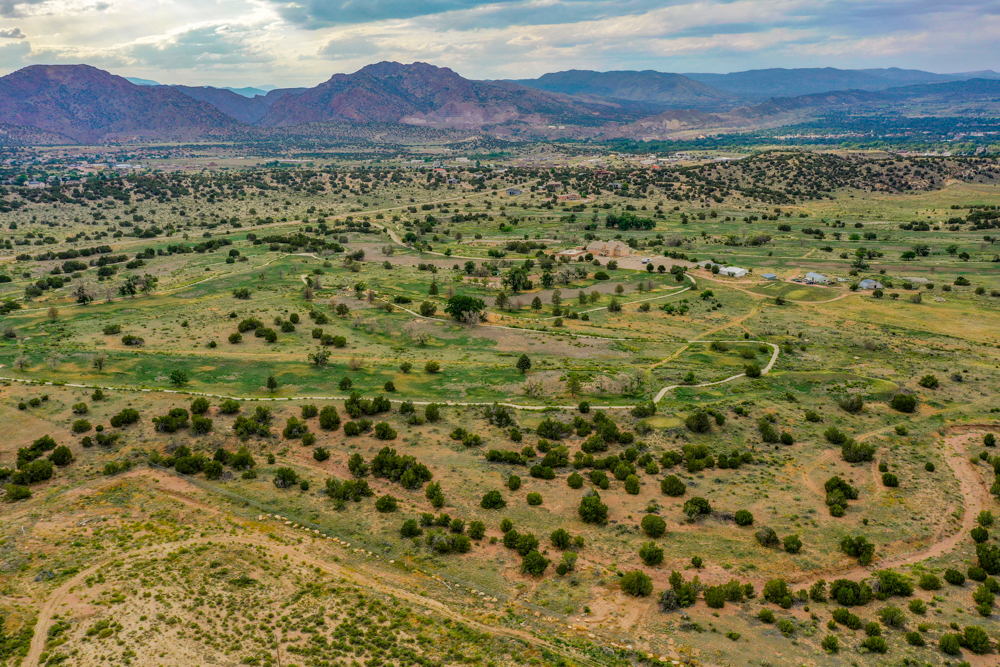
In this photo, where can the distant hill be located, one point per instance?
(91, 105)
(142, 82)
(421, 94)
(765, 83)
(658, 88)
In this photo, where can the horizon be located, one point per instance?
(241, 43)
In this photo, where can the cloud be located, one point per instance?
(198, 47)
(314, 14)
(12, 33)
(14, 55)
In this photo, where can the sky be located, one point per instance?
(303, 42)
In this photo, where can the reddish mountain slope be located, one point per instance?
(91, 105)
(426, 95)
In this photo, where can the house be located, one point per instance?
(609, 249)
(769, 276)
(817, 279)
(453, 181)
(868, 283)
(35, 185)
(732, 271)
(615, 185)
(572, 254)
(513, 192)
(708, 264)
(571, 196)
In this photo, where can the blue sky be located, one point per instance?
(303, 42)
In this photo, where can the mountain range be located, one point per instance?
(80, 103)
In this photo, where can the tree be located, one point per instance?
(285, 477)
(492, 500)
(636, 584)
(673, 486)
(465, 308)
(272, 384)
(432, 367)
(696, 507)
(386, 504)
(320, 357)
(574, 384)
(592, 510)
(534, 564)
(653, 526)
(651, 554)
(903, 402)
(523, 364)
(179, 378)
(516, 278)
(99, 361)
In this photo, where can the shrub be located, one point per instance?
(856, 452)
(534, 564)
(976, 640)
(384, 431)
(673, 486)
(775, 590)
(830, 644)
(914, 638)
(386, 503)
(513, 482)
(715, 597)
(786, 626)
(903, 402)
(592, 510)
(852, 404)
(858, 547)
(492, 500)
(696, 507)
(534, 499)
(930, 582)
(929, 382)
(875, 645)
(650, 553)
(743, 518)
(979, 534)
(81, 426)
(892, 617)
(653, 526)
(329, 419)
(954, 577)
(766, 616)
(285, 477)
(575, 481)
(950, 644)
(752, 370)
(766, 537)
(636, 584)
(792, 544)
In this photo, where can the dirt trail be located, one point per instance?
(52, 604)
(975, 492)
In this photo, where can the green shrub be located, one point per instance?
(386, 504)
(673, 486)
(875, 645)
(636, 584)
(492, 500)
(830, 644)
(950, 644)
(653, 526)
(743, 518)
(766, 616)
(651, 554)
(534, 499)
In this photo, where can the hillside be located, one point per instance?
(90, 105)
(659, 88)
(421, 94)
(780, 82)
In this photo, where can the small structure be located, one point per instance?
(732, 271)
(814, 278)
(572, 254)
(708, 264)
(453, 181)
(868, 283)
(609, 249)
(570, 196)
(769, 276)
(513, 192)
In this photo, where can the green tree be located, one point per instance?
(179, 378)
(523, 364)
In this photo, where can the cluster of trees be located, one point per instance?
(32, 468)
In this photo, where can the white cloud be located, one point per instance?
(302, 42)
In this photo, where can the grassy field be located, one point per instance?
(149, 544)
